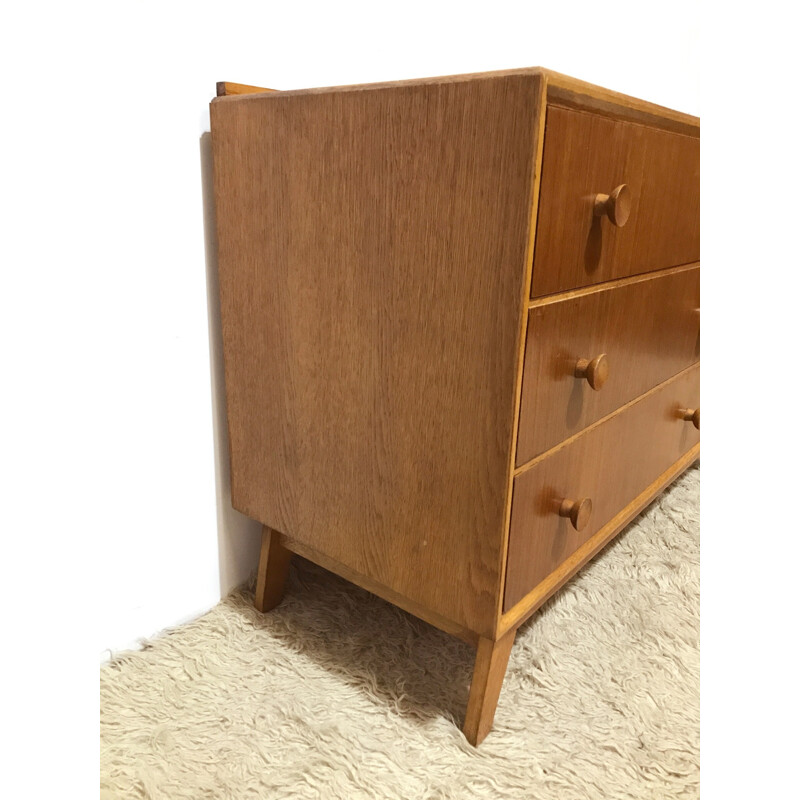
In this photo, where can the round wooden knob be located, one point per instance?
(616, 206)
(691, 415)
(595, 371)
(578, 512)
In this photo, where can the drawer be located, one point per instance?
(609, 465)
(642, 333)
(586, 155)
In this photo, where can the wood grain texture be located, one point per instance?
(649, 331)
(586, 154)
(544, 590)
(378, 589)
(540, 111)
(273, 569)
(562, 90)
(226, 88)
(610, 463)
(491, 661)
(372, 255)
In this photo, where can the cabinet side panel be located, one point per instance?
(372, 253)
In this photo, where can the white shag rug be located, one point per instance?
(337, 694)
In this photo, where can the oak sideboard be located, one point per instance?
(460, 323)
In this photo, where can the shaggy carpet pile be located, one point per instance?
(337, 694)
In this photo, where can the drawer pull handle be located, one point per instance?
(691, 415)
(595, 371)
(616, 206)
(578, 512)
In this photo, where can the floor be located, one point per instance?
(337, 694)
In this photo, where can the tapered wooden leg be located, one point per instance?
(273, 567)
(487, 680)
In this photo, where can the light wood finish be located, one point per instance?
(226, 88)
(583, 155)
(611, 463)
(378, 589)
(413, 330)
(577, 511)
(273, 568)
(562, 90)
(595, 371)
(539, 595)
(491, 661)
(568, 92)
(616, 206)
(691, 415)
(370, 356)
(648, 330)
(539, 101)
(630, 280)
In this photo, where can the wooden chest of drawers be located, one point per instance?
(461, 335)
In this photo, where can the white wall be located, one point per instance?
(152, 509)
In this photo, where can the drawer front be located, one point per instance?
(586, 155)
(610, 465)
(647, 332)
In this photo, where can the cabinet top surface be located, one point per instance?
(561, 90)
